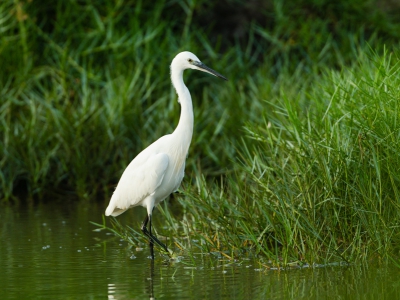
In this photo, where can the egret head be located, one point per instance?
(187, 60)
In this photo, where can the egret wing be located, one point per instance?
(139, 180)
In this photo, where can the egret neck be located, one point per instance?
(184, 130)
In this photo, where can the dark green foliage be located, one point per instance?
(296, 156)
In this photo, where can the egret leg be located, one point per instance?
(152, 239)
(151, 242)
(148, 234)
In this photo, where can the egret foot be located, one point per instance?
(152, 238)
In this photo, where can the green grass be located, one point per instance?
(320, 181)
(295, 158)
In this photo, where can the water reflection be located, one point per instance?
(127, 288)
(52, 252)
(151, 280)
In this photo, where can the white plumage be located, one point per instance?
(158, 170)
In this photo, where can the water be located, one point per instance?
(51, 252)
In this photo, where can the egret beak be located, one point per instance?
(204, 68)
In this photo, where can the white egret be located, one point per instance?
(158, 170)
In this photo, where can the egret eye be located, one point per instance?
(190, 60)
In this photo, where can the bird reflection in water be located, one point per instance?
(118, 291)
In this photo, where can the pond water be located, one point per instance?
(51, 251)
